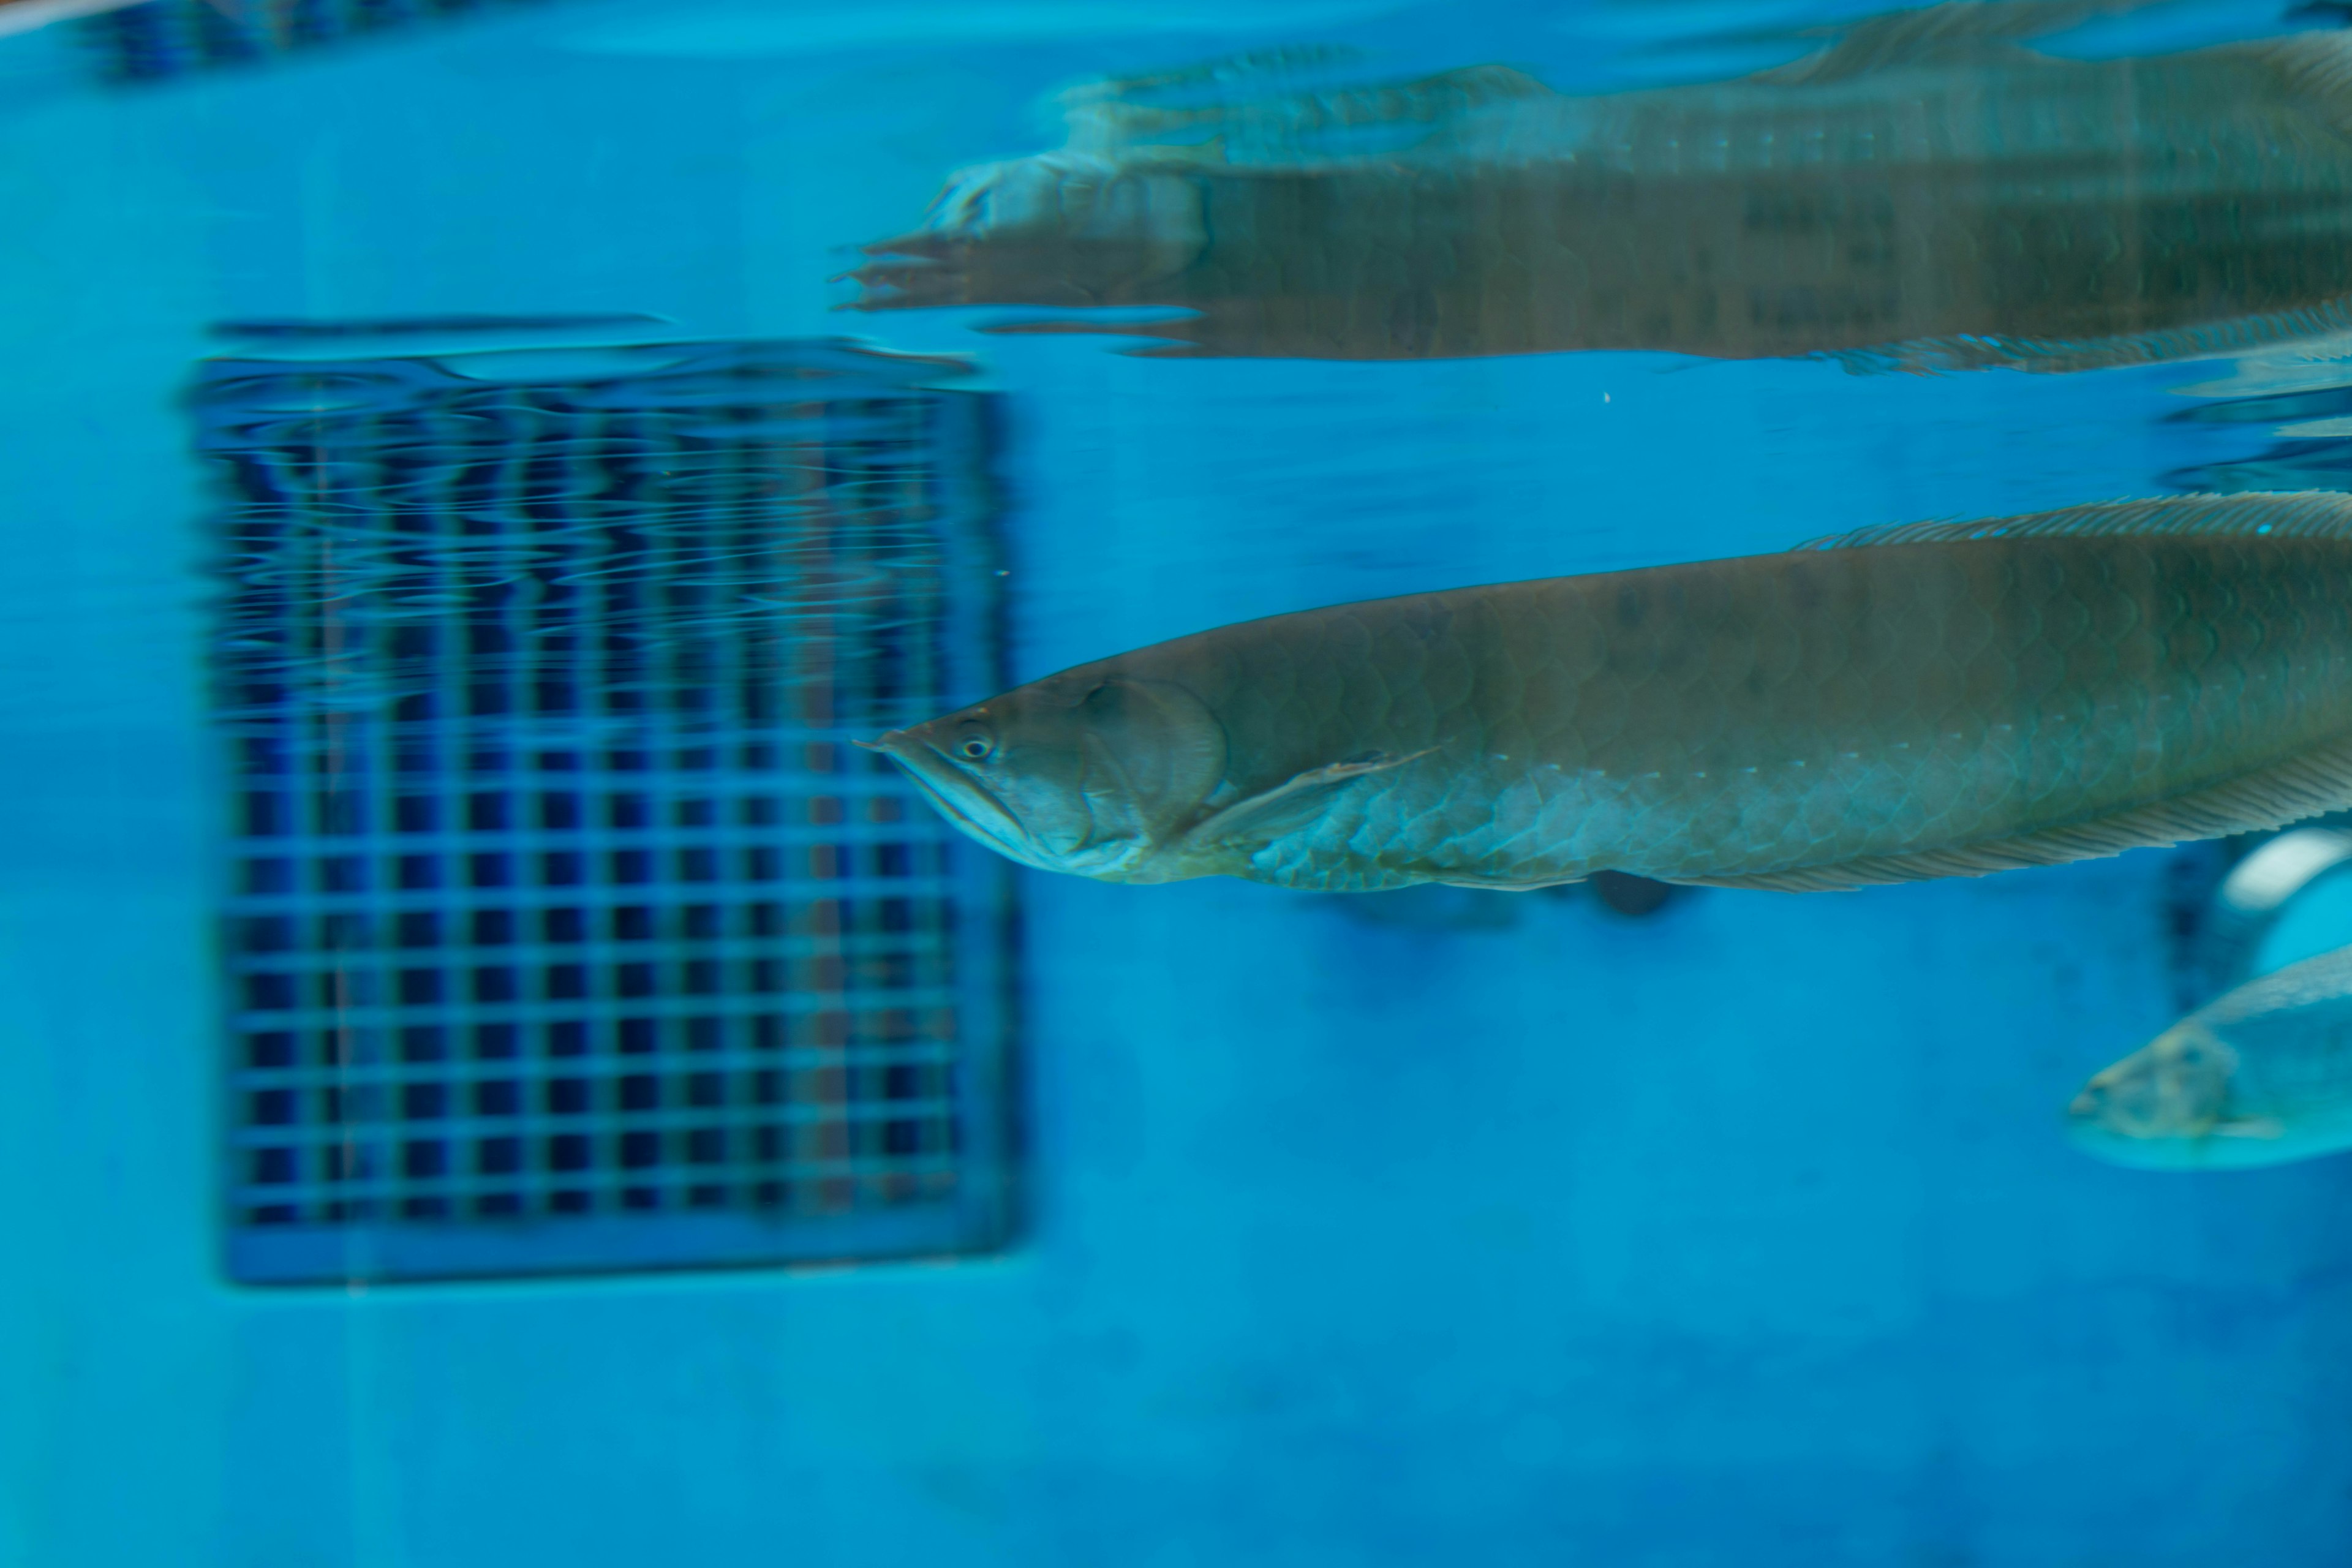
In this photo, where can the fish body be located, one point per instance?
(1927, 192)
(2260, 1077)
(1933, 700)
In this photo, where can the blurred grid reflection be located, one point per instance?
(161, 38)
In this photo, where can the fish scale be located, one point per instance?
(1818, 705)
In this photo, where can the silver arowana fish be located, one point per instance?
(1927, 191)
(2258, 1078)
(1925, 700)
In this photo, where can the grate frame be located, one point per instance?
(562, 931)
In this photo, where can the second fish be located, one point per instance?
(1927, 700)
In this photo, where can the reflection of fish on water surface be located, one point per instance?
(1927, 188)
(2262, 1075)
(1943, 699)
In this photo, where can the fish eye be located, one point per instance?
(975, 748)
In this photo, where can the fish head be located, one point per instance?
(1094, 774)
(1081, 196)
(1062, 229)
(2161, 1105)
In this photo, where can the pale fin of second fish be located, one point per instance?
(1271, 812)
(2318, 781)
(2282, 514)
(2249, 1127)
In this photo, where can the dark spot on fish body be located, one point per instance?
(1633, 605)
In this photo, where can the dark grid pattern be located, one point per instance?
(566, 931)
(168, 37)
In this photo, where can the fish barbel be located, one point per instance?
(2260, 1077)
(1922, 701)
(1927, 191)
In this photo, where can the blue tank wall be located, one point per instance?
(1742, 1236)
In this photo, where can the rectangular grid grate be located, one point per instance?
(565, 930)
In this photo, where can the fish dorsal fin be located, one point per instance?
(2317, 66)
(1958, 32)
(1271, 812)
(1275, 66)
(2289, 514)
(2316, 781)
(1266, 105)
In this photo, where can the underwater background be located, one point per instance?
(455, 531)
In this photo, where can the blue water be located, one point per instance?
(1741, 1234)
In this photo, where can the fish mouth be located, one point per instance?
(2093, 1119)
(2090, 1129)
(962, 799)
(982, 815)
(2141, 1149)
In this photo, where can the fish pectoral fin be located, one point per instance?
(2249, 1127)
(1273, 812)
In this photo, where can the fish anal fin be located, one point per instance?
(2316, 781)
(1271, 812)
(1804, 879)
(2284, 514)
